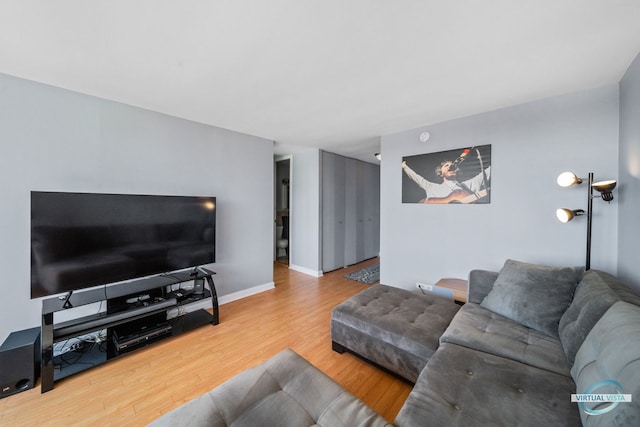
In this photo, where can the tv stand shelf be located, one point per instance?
(138, 313)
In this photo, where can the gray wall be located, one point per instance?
(629, 177)
(54, 139)
(304, 250)
(531, 145)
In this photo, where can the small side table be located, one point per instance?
(458, 286)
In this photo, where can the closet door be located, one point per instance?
(350, 211)
(354, 215)
(371, 190)
(333, 211)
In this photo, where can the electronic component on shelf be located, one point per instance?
(110, 318)
(128, 342)
(139, 298)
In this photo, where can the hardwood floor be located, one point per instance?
(137, 388)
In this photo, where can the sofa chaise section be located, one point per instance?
(392, 327)
(285, 390)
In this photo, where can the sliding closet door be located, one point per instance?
(354, 215)
(333, 211)
(350, 211)
(371, 190)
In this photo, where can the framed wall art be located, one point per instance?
(460, 176)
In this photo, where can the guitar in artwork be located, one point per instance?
(457, 196)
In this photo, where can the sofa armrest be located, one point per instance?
(480, 284)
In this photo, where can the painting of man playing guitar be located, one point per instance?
(459, 176)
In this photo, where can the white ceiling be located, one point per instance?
(329, 74)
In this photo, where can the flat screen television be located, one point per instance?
(81, 240)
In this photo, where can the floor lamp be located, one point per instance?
(567, 179)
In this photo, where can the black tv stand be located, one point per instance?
(158, 315)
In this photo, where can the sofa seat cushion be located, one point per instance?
(477, 328)
(286, 390)
(595, 294)
(611, 354)
(393, 327)
(534, 295)
(465, 387)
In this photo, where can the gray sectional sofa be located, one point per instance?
(529, 337)
(506, 357)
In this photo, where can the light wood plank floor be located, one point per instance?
(137, 388)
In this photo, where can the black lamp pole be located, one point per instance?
(589, 215)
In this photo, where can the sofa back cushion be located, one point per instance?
(480, 284)
(595, 294)
(534, 295)
(608, 362)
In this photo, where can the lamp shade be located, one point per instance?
(605, 186)
(567, 179)
(566, 215)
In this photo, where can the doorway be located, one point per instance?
(282, 205)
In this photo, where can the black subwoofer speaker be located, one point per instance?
(19, 362)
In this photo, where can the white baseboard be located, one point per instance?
(206, 303)
(307, 271)
(245, 293)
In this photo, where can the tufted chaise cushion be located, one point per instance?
(395, 328)
(465, 387)
(286, 390)
(481, 329)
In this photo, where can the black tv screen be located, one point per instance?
(80, 240)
